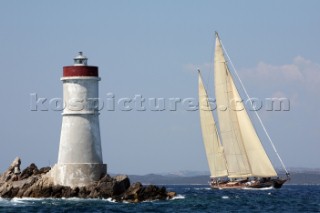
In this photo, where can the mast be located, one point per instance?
(211, 140)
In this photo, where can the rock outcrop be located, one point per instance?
(37, 183)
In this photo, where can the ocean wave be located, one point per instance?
(17, 199)
(52, 201)
(259, 189)
(78, 199)
(203, 188)
(287, 199)
(4, 200)
(110, 200)
(178, 197)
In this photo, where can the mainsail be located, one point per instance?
(235, 153)
(240, 153)
(214, 150)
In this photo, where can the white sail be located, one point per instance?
(243, 150)
(238, 165)
(214, 150)
(259, 161)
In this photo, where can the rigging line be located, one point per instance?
(261, 123)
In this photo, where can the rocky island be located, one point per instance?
(33, 182)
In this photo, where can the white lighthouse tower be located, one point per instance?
(80, 156)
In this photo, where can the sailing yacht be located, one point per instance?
(234, 151)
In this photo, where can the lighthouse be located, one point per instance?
(80, 157)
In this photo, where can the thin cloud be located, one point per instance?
(298, 81)
(302, 72)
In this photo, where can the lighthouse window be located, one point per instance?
(78, 61)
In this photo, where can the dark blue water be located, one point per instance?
(199, 198)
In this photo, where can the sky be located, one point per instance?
(151, 49)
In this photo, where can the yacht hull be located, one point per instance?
(273, 183)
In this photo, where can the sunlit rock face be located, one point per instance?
(38, 183)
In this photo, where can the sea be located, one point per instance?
(190, 198)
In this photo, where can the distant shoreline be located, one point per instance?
(297, 178)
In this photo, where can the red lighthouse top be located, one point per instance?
(80, 68)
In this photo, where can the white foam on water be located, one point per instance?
(18, 200)
(32, 199)
(149, 201)
(110, 200)
(205, 188)
(77, 199)
(29, 200)
(72, 198)
(225, 197)
(259, 189)
(178, 197)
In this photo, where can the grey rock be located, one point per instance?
(29, 171)
(37, 183)
(9, 173)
